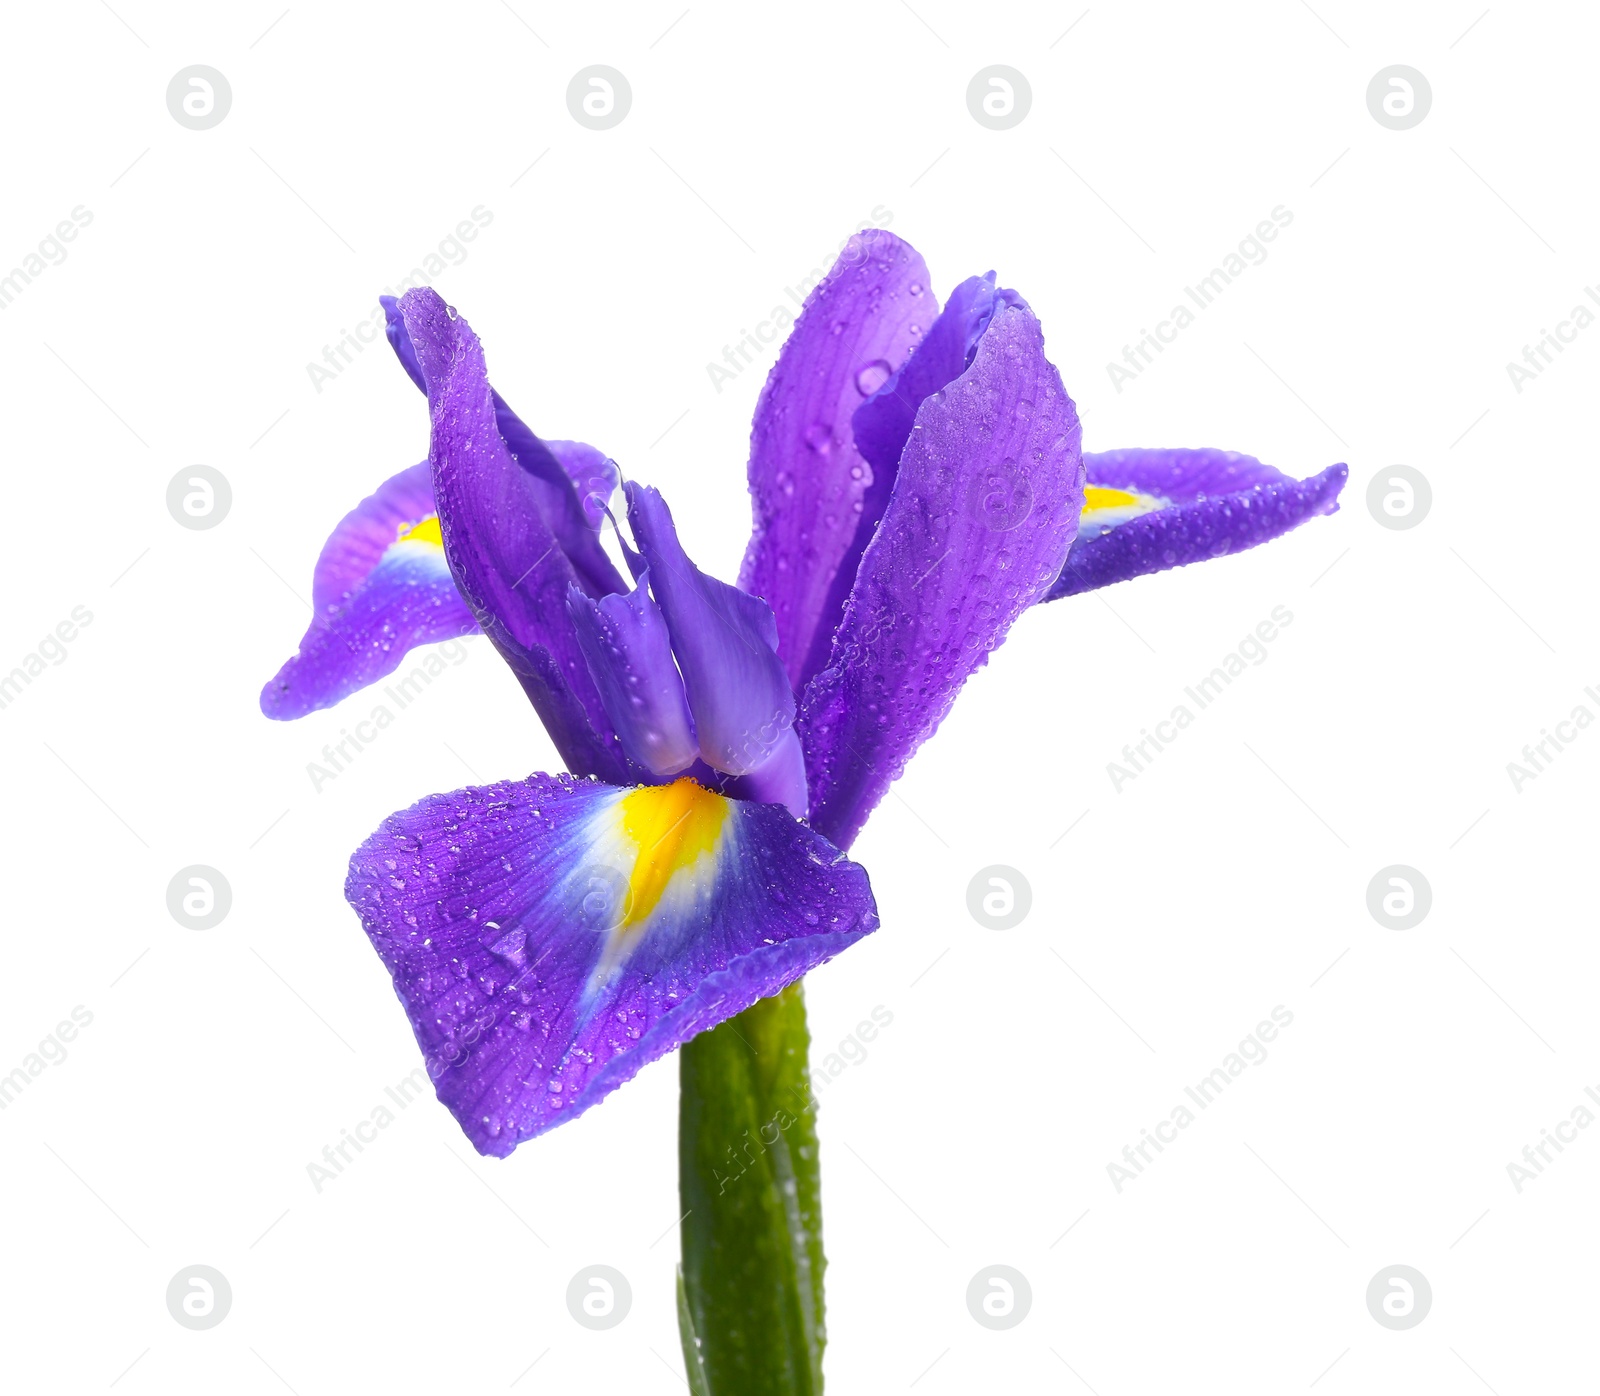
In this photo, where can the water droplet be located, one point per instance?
(872, 377)
(819, 437)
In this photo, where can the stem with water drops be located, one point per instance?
(750, 1287)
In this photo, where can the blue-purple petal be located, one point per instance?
(725, 641)
(594, 476)
(573, 481)
(376, 595)
(882, 426)
(505, 560)
(394, 328)
(985, 507)
(1213, 503)
(629, 650)
(564, 510)
(503, 915)
(807, 480)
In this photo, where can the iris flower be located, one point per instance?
(917, 483)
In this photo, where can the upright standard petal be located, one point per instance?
(985, 506)
(394, 329)
(1148, 510)
(550, 937)
(505, 560)
(572, 481)
(381, 587)
(807, 480)
(726, 644)
(566, 514)
(882, 426)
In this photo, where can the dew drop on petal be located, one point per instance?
(872, 377)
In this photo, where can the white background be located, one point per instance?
(1225, 880)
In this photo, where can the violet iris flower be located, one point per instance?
(917, 483)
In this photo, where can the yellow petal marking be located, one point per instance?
(1098, 497)
(424, 531)
(673, 827)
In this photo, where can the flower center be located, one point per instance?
(672, 826)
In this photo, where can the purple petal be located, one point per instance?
(394, 328)
(725, 642)
(807, 480)
(574, 481)
(376, 595)
(629, 650)
(984, 509)
(538, 975)
(1197, 504)
(780, 779)
(564, 510)
(364, 534)
(594, 476)
(1181, 475)
(882, 426)
(504, 558)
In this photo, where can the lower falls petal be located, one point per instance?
(550, 937)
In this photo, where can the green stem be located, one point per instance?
(750, 1290)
